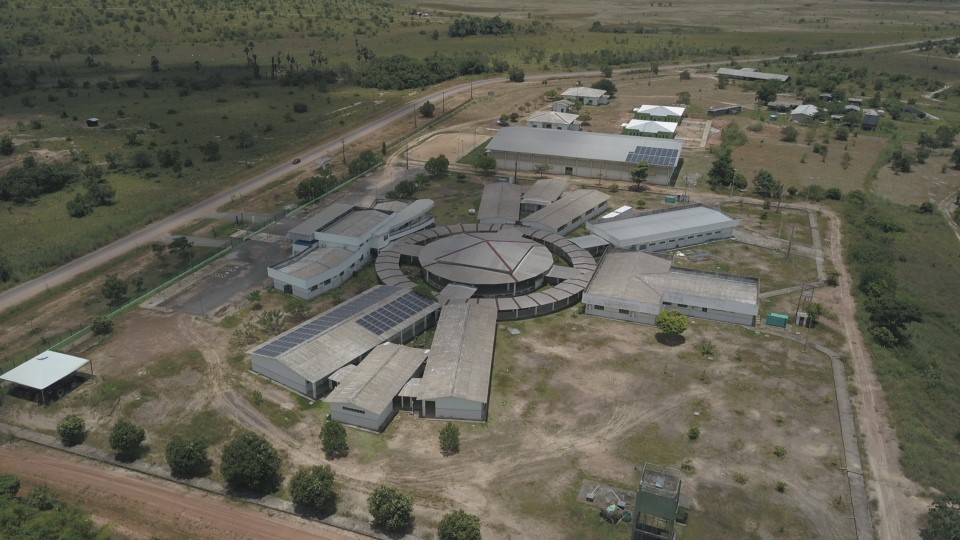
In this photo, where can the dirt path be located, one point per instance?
(946, 206)
(898, 506)
(154, 507)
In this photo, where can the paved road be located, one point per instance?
(158, 230)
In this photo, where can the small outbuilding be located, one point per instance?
(724, 110)
(587, 96)
(751, 74)
(804, 113)
(46, 373)
(650, 128)
(554, 120)
(660, 113)
(563, 106)
(871, 120)
(93, 122)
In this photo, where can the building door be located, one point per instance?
(568, 171)
(431, 409)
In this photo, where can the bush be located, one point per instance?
(741, 479)
(782, 487)
(789, 134)
(391, 508)
(300, 107)
(459, 525)
(9, 485)
(834, 194)
(125, 440)
(333, 438)
(101, 326)
(672, 323)
(693, 433)
(427, 109)
(943, 519)
(516, 74)
(250, 462)
(71, 430)
(314, 488)
(187, 458)
(780, 451)
(449, 439)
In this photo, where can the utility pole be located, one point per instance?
(790, 243)
(343, 150)
(443, 102)
(414, 116)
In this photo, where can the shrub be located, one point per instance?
(672, 323)
(789, 134)
(125, 440)
(459, 525)
(780, 451)
(9, 485)
(449, 439)
(391, 508)
(187, 458)
(707, 348)
(834, 194)
(250, 462)
(333, 438)
(782, 487)
(300, 107)
(693, 433)
(101, 326)
(741, 479)
(314, 488)
(71, 430)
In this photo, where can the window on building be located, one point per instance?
(624, 311)
(358, 411)
(681, 305)
(315, 287)
(703, 309)
(327, 282)
(598, 308)
(668, 303)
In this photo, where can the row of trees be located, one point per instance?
(472, 26)
(41, 514)
(25, 183)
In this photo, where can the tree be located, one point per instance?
(606, 85)
(943, 519)
(6, 146)
(721, 172)
(141, 160)
(437, 166)
(515, 74)
(683, 98)
(427, 109)
(722, 81)
(182, 248)
(9, 485)
(210, 151)
(485, 164)
(767, 92)
(154, 64)
(685, 75)
(765, 186)
(672, 323)
(187, 458)
(6, 269)
(114, 289)
(606, 70)
(250, 462)
(815, 310)
(955, 158)
(364, 162)
(71, 430)
(542, 168)
(101, 326)
(243, 139)
(313, 488)
(841, 133)
(391, 508)
(449, 439)
(640, 173)
(333, 439)
(459, 525)
(300, 107)
(125, 440)
(945, 134)
(789, 134)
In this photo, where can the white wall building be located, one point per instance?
(554, 120)
(587, 96)
(569, 212)
(660, 230)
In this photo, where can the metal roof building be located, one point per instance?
(588, 96)
(456, 382)
(751, 74)
(554, 120)
(45, 370)
(585, 154)
(304, 357)
(660, 230)
(305, 231)
(500, 203)
(365, 397)
(569, 212)
(659, 112)
(650, 128)
(635, 286)
(542, 193)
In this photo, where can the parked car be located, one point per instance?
(296, 161)
(502, 123)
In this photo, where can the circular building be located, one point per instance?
(498, 263)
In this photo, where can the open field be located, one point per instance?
(772, 269)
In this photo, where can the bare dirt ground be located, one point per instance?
(137, 506)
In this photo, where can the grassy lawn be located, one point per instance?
(772, 268)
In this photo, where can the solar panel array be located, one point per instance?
(654, 156)
(324, 322)
(394, 313)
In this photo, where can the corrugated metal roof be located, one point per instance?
(486, 258)
(633, 279)
(553, 117)
(325, 217)
(651, 126)
(660, 110)
(461, 358)
(630, 228)
(806, 110)
(356, 223)
(544, 192)
(44, 369)
(500, 203)
(578, 144)
(752, 73)
(313, 262)
(374, 383)
(568, 208)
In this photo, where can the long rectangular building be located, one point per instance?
(659, 230)
(304, 357)
(635, 286)
(542, 193)
(365, 397)
(585, 154)
(569, 212)
(456, 382)
(751, 74)
(500, 204)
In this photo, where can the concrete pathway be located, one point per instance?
(817, 247)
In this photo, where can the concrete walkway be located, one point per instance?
(817, 246)
(205, 484)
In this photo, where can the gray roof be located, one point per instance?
(455, 294)
(751, 73)
(313, 262)
(660, 110)
(625, 279)
(461, 359)
(583, 92)
(572, 205)
(486, 258)
(44, 369)
(323, 344)
(410, 211)
(500, 203)
(583, 145)
(325, 217)
(589, 241)
(374, 383)
(806, 110)
(553, 117)
(544, 192)
(356, 223)
(632, 228)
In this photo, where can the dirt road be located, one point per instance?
(152, 507)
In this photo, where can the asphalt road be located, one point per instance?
(158, 230)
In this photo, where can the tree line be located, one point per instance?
(472, 26)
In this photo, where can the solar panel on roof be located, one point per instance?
(393, 314)
(323, 323)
